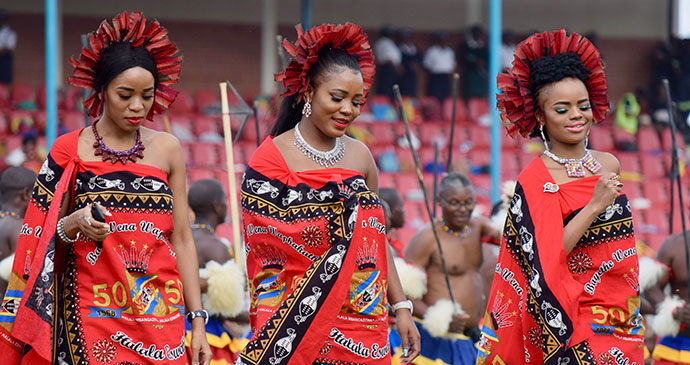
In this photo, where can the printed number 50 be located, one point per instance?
(119, 294)
(615, 316)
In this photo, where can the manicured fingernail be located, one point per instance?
(405, 352)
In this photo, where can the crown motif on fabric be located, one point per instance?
(135, 261)
(516, 102)
(345, 190)
(366, 256)
(131, 28)
(271, 258)
(348, 37)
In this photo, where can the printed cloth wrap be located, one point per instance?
(672, 350)
(452, 349)
(316, 262)
(546, 307)
(115, 302)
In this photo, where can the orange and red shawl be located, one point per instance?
(552, 308)
(26, 316)
(316, 262)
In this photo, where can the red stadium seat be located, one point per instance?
(629, 161)
(477, 107)
(652, 166)
(21, 93)
(206, 154)
(460, 110)
(183, 103)
(480, 136)
(206, 99)
(648, 139)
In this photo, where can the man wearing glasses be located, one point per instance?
(448, 333)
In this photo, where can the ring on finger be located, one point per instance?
(88, 220)
(616, 177)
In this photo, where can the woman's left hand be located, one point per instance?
(409, 335)
(201, 352)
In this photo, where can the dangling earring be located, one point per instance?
(587, 140)
(543, 137)
(306, 111)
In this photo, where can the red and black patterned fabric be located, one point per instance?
(119, 301)
(552, 308)
(316, 262)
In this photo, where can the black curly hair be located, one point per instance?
(549, 69)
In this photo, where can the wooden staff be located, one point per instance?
(398, 97)
(454, 95)
(675, 174)
(234, 209)
(435, 190)
(166, 124)
(255, 109)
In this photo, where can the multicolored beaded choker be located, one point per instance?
(203, 226)
(8, 213)
(465, 231)
(575, 167)
(117, 156)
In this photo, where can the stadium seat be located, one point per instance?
(648, 139)
(477, 107)
(460, 110)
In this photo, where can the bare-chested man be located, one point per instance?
(15, 193)
(461, 239)
(672, 321)
(222, 281)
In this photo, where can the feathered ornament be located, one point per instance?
(516, 102)
(131, 28)
(348, 37)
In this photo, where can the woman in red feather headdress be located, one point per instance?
(566, 289)
(99, 272)
(320, 274)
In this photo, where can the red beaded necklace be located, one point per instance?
(117, 156)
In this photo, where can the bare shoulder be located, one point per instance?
(164, 140)
(607, 160)
(423, 236)
(671, 246)
(359, 152)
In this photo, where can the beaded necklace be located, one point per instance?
(203, 226)
(465, 231)
(117, 156)
(6, 213)
(575, 167)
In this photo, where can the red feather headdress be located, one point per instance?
(348, 37)
(130, 28)
(516, 102)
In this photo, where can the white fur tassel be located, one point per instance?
(6, 267)
(225, 293)
(412, 279)
(438, 317)
(650, 272)
(663, 323)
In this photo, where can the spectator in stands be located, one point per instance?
(221, 280)
(15, 194)
(475, 56)
(388, 58)
(439, 61)
(29, 155)
(507, 49)
(411, 63)
(450, 333)
(395, 203)
(8, 42)
(672, 320)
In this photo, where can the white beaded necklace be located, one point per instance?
(575, 167)
(323, 158)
